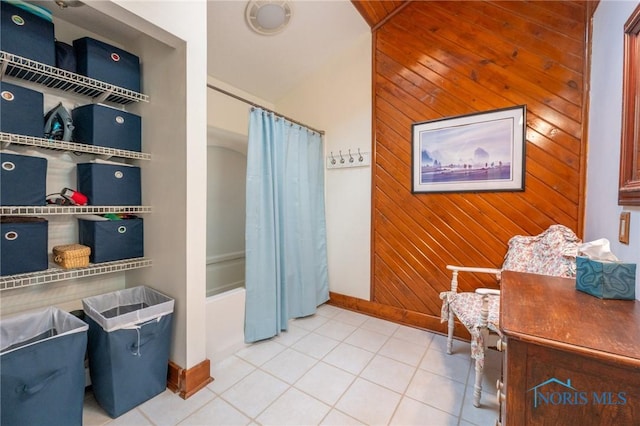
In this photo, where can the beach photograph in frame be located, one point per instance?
(476, 152)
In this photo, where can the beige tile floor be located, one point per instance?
(333, 368)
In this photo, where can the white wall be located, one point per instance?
(602, 210)
(226, 211)
(180, 190)
(228, 114)
(337, 99)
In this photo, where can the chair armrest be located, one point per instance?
(456, 269)
(474, 269)
(488, 291)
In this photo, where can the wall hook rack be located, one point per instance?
(349, 160)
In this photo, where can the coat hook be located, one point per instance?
(341, 158)
(360, 157)
(351, 160)
(333, 160)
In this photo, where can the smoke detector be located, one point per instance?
(267, 17)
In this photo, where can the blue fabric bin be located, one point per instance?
(23, 242)
(107, 63)
(26, 34)
(110, 184)
(111, 240)
(21, 110)
(109, 127)
(23, 180)
(42, 374)
(128, 346)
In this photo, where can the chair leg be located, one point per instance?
(477, 387)
(450, 327)
(482, 347)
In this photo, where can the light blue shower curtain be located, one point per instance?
(286, 252)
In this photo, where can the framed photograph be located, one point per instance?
(470, 153)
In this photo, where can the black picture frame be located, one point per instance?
(479, 152)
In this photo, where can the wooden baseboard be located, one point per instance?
(188, 382)
(397, 315)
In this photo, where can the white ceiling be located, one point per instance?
(270, 66)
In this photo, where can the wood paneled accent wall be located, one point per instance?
(436, 59)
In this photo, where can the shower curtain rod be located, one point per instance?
(253, 104)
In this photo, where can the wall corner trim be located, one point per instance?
(188, 382)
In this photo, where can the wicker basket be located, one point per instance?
(71, 256)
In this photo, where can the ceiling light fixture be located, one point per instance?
(68, 3)
(268, 17)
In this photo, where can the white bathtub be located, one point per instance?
(225, 324)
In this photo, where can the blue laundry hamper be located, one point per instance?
(128, 346)
(42, 376)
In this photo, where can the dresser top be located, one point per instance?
(551, 312)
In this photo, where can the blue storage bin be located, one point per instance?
(104, 126)
(24, 245)
(111, 240)
(110, 184)
(21, 110)
(42, 373)
(26, 34)
(107, 63)
(128, 346)
(23, 180)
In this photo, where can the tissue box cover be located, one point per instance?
(606, 280)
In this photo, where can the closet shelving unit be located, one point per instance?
(56, 78)
(57, 274)
(28, 70)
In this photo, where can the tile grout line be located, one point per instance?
(333, 407)
(292, 386)
(417, 367)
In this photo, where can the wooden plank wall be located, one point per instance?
(438, 59)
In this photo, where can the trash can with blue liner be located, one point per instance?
(21, 110)
(23, 245)
(112, 240)
(109, 127)
(110, 184)
(23, 180)
(128, 346)
(107, 63)
(42, 375)
(27, 33)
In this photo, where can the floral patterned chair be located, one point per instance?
(550, 253)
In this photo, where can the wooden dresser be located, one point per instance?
(570, 358)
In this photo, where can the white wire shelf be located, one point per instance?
(56, 78)
(57, 274)
(51, 210)
(9, 138)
